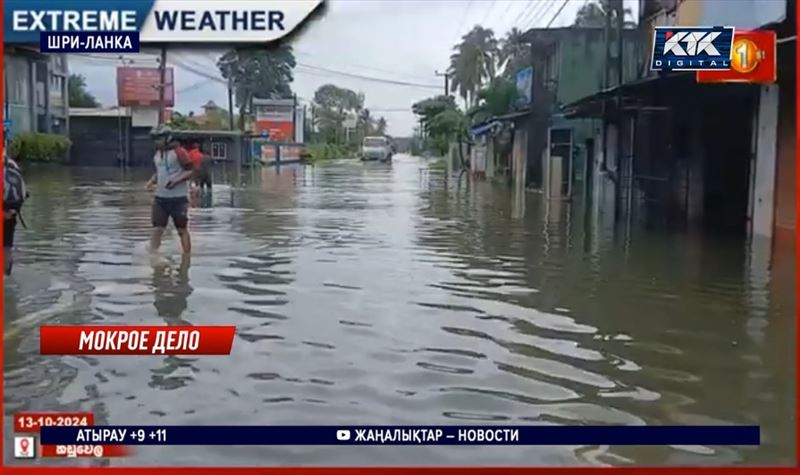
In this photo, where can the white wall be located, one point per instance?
(747, 14)
(763, 178)
(144, 116)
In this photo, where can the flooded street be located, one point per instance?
(386, 294)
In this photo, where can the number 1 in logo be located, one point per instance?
(746, 56)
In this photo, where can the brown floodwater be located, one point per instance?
(368, 293)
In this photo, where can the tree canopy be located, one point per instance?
(441, 120)
(258, 72)
(473, 62)
(332, 106)
(79, 95)
(595, 13)
(495, 99)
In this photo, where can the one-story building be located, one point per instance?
(115, 136)
(718, 156)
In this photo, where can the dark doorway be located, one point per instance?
(727, 136)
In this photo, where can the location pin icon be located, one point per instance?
(23, 444)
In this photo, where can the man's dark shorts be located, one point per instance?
(9, 226)
(202, 179)
(166, 208)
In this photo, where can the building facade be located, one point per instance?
(36, 91)
(719, 156)
(568, 63)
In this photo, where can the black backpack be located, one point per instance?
(14, 191)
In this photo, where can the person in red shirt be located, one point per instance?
(195, 154)
(202, 172)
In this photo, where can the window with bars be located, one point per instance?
(219, 150)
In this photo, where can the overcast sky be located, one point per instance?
(397, 40)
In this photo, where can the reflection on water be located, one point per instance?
(384, 293)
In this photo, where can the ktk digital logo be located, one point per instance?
(692, 49)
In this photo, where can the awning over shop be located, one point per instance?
(513, 115)
(630, 93)
(496, 122)
(481, 129)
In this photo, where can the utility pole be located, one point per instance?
(162, 103)
(294, 118)
(446, 77)
(619, 15)
(230, 100)
(123, 155)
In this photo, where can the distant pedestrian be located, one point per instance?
(14, 195)
(174, 170)
(203, 169)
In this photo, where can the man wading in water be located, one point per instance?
(171, 183)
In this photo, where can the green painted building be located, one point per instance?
(570, 64)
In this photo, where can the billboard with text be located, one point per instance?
(140, 87)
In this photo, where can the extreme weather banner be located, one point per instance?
(90, 24)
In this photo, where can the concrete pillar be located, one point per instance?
(520, 158)
(490, 158)
(763, 172)
(696, 172)
(32, 94)
(555, 176)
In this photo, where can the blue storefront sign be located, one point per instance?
(524, 82)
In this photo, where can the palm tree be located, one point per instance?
(474, 62)
(593, 15)
(514, 52)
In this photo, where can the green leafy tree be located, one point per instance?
(473, 62)
(442, 123)
(595, 13)
(332, 105)
(183, 122)
(215, 119)
(258, 72)
(495, 99)
(79, 95)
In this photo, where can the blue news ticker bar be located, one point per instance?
(89, 42)
(417, 435)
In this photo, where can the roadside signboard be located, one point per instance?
(140, 87)
(524, 82)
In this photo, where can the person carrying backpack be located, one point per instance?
(14, 195)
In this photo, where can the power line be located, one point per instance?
(505, 13)
(546, 5)
(523, 16)
(360, 66)
(461, 24)
(492, 4)
(564, 4)
(194, 86)
(367, 78)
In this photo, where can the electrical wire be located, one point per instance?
(461, 24)
(564, 4)
(523, 16)
(360, 66)
(539, 13)
(368, 78)
(507, 10)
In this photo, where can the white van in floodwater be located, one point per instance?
(376, 148)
